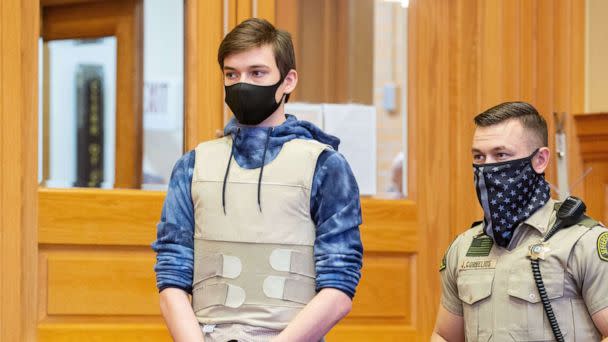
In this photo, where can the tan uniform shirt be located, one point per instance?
(493, 288)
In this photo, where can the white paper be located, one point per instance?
(307, 112)
(355, 125)
(163, 104)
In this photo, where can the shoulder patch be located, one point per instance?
(444, 263)
(442, 266)
(602, 246)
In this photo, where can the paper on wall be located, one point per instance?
(355, 125)
(307, 112)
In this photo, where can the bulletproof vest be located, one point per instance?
(499, 295)
(253, 265)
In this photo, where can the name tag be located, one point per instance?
(476, 264)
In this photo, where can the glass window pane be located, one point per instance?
(352, 67)
(78, 87)
(78, 112)
(163, 90)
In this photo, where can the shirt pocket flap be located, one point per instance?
(522, 285)
(474, 286)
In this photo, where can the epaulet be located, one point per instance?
(588, 222)
(475, 224)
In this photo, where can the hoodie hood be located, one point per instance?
(250, 142)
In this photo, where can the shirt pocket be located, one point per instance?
(474, 290)
(526, 318)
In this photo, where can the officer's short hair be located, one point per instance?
(256, 32)
(522, 111)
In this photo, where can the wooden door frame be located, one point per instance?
(19, 32)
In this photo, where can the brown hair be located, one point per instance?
(524, 112)
(256, 32)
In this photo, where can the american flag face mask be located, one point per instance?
(509, 193)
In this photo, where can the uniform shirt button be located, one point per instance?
(532, 296)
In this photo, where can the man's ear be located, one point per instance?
(540, 161)
(291, 80)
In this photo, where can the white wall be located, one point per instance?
(163, 63)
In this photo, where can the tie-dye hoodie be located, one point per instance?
(334, 207)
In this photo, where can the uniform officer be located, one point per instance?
(488, 289)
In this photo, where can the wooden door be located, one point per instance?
(95, 278)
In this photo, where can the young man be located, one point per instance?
(489, 292)
(261, 226)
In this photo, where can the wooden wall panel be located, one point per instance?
(96, 277)
(389, 226)
(87, 282)
(592, 133)
(96, 267)
(267, 10)
(244, 10)
(386, 289)
(356, 333)
(99, 217)
(431, 71)
(140, 332)
(204, 112)
(18, 160)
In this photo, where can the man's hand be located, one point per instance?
(324, 311)
(177, 311)
(448, 327)
(600, 319)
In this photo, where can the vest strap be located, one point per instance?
(294, 290)
(221, 265)
(588, 222)
(286, 260)
(219, 294)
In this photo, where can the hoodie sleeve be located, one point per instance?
(336, 211)
(175, 231)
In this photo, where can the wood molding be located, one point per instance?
(129, 217)
(99, 217)
(204, 114)
(112, 331)
(18, 177)
(48, 3)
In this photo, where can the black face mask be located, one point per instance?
(252, 104)
(509, 193)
